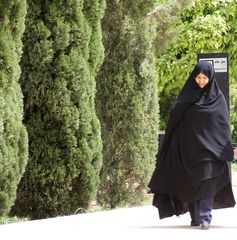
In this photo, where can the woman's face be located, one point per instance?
(202, 80)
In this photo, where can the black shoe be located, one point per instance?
(205, 226)
(195, 224)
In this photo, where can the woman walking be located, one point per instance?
(193, 165)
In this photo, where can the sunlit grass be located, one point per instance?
(7, 219)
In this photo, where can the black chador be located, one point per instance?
(193, 163)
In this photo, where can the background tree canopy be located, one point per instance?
(208, 26)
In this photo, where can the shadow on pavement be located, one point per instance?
(183, 227)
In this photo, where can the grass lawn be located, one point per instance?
(6, 219)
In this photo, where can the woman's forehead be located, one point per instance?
(201, 74)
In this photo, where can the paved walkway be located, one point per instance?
(127, 223)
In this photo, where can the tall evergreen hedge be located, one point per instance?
(62, 52)
(13, 135)
(127, 102)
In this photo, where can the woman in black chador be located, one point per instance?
(193, 165)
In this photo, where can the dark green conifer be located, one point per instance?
(127, 102)
(13, 136)
(62, 52)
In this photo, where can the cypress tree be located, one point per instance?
(62, 53)
(127, 102)
(13, 135)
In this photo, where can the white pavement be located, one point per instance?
(127, 223)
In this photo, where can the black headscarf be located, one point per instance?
(192, 162)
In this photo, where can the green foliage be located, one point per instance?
(166, 19)
(7, 220)
(127, 99)
(209, 26)
(13, 136)
(62, 53)
(229, 12)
